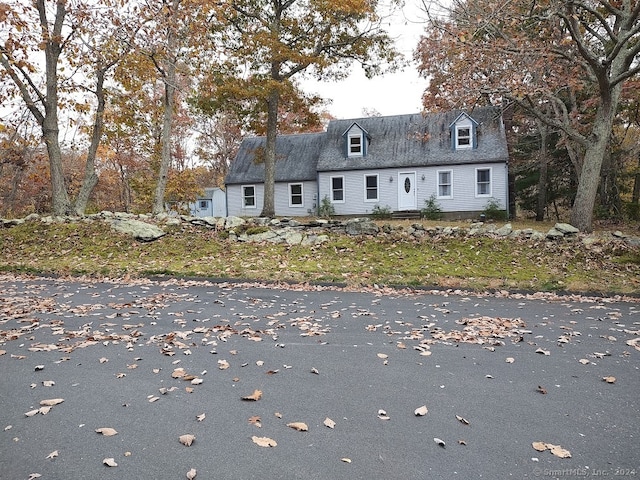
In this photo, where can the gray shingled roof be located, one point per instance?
(397, 141)
(414, 140)
(296, 159)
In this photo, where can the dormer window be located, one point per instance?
(356, 141)
(355, 145)
(464, 131)
(463, 137)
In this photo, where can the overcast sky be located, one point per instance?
(392, 94)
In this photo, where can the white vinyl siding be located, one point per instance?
(235, 207)
(445, 184)
(371, 188)
(463, 188)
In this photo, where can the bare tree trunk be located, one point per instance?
(169, 78)
(582, 211)
(634, 210)
(268, 207)
(90, 176)
(543, 160)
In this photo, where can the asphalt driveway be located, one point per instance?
(510, 384)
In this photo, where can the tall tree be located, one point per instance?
(267, 43)
(40, 42)
(564, 62)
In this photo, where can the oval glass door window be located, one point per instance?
(407, 185)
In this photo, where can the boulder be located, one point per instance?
(566, 228)
(144, 232)
(233, 222)
(361, 226)
(504, 231)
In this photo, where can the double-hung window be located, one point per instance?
(445, 184)
(337, 189)
(463, 137)
(483, 182)
(355, 145)
(249, 196)
(295, 195)
(371, 188)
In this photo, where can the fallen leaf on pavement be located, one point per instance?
(329, 423)
(510, 360)
(223, 364)
(584, 361)
(382, 415)
(107, 431)
(345, 460)
(541, 390)
(255, 420)
(51, 402)
(543, 352)
(110, 462)
(462, 420)
(48, 383)
(254, 397)
(299, 426)
(187, 439)
(609, 379)
(191, 474)
(200, 417)
(264, 441)
(439, 441)
(53, 454)
(421, 411)
(556, 450)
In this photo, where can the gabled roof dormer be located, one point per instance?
(356, 141)
(464, 132)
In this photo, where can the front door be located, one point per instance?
(407, 191)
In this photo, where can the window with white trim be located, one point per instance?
(355, 144)
(371, 188)
(249, 196)
(463, 137)
(295, 195)
(204, 204)
(337, 189)
(483, 182)
(445, 184)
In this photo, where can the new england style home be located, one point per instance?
(396, 162)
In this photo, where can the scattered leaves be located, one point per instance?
(543, 352)
(541, 390)
(510, 360)
(609, 379)
(556, 450)
(107, 431)
(345, 460)
(264, 441)
(191, 474)
(200, 417)
(255, 420)
(329, 423)
(51, 402)
(110, 462)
